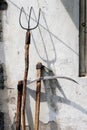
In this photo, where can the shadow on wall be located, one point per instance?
(28, 111)
(72, 7)
(52, 99)
(51, 125)
(47, 59)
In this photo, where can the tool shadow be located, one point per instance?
(47, 60)
(72, 7)
(51, 97)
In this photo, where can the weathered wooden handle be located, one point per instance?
(19, 99)
(27, 42)
(38, 89)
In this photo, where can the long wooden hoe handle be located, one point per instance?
(38, 89)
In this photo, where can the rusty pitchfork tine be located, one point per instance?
(28, 29)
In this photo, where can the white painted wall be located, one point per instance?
(55, 44)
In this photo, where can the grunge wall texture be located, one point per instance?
(55, 43)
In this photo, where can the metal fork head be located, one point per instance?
(28, 28)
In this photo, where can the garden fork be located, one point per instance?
(27, 43)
